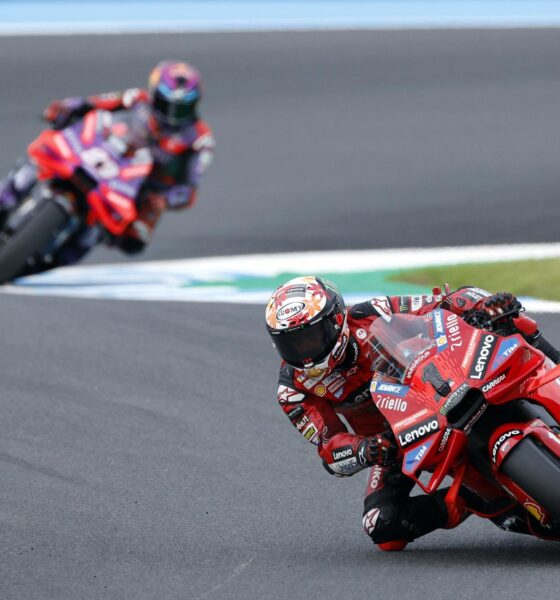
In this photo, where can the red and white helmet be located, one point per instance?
(306, 318)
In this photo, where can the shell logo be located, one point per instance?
(534, 510)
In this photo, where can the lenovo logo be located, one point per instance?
(505, 436)
(481, 363)
(415, 434)
(342, 453)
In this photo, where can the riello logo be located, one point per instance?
(419, 432)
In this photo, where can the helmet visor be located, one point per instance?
(174, 112)
(308, 344)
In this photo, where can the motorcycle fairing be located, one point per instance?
(505, 367)
(98, 162)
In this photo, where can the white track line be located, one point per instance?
(172, 280)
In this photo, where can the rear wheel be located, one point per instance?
(537, 472)
(36, 230)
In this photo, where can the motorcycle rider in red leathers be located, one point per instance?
(328, 364)
(182, 145)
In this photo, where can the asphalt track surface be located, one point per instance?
(142, 454)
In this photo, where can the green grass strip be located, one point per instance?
(536, 278)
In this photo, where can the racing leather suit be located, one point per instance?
(180, 158)
(315, 407)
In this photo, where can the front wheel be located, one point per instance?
(37, 229)
(537, 472)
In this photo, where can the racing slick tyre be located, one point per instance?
(537, 472)
(36, 230)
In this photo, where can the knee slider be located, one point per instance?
(383, 524)
(387, 523)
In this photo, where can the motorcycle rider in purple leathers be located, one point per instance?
(181, 143)
(328, 363)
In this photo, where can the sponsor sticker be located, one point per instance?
(413, 458)
(296, 413)
(481, 292)
(332, 377)
(336, 385)
(500, 441)
(444, 440)
(453, 331)
(342, 453)
(289, 310)
(454, 398)
(334, 382)
(320, 390)
(534, 510)
(419, 432)
(302, 423)
(370, 520)
(394, 389)
(361, 334)
(404, 304)
(470, 349)
(506, 348)
(488, 387)
(345, 466)
(307, 381)
(287, 395)
(375, 478)
(473, 295)
(310, 434)
(482, 356)
(439, 330)
(382, 307)
(415, 363)
(475, 417)
(412, 419)
(388, 403)
(416, 303)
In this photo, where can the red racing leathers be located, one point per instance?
(315, 406)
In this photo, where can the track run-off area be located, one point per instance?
(251, 278)
(142, 454)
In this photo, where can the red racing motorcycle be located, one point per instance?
(479, 407)
(90, 174)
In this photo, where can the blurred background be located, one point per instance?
(141, 451)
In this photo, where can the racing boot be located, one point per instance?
(394, 546)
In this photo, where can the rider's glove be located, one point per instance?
(61, 112)
(377, 450)
(489, 308)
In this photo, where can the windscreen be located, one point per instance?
(402, 339)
